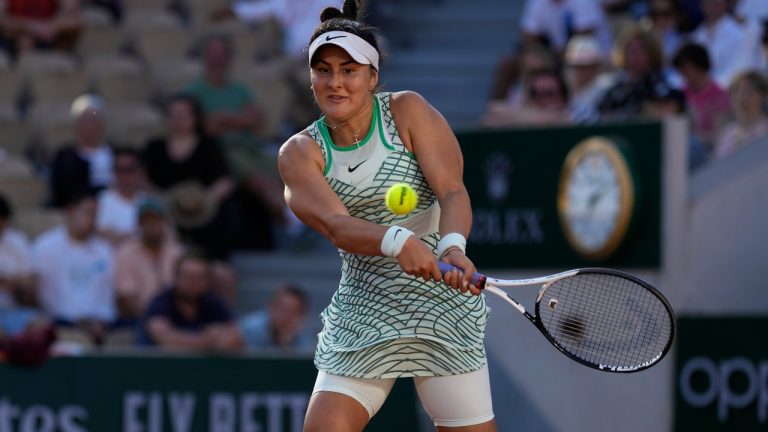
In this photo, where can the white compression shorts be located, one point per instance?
(450, 401)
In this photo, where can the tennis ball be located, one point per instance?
(401, 199)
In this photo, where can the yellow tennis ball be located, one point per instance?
(401, 199)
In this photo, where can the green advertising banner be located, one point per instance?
(513, 178)
(177, 394)
(721, 374)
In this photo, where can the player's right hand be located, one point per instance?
(417, 259)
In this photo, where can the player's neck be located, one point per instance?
(351, 131)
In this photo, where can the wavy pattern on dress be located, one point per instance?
(404, 357)
(382, 322)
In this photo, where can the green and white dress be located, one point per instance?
(382, 322)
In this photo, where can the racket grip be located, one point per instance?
(478, 280)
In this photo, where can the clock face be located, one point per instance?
(595, 198)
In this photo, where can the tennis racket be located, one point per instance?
(602, 318)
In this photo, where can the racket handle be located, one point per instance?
(478, 280)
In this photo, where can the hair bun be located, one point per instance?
(330, 13)
(348, 11)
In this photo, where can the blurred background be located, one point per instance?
(138, 144)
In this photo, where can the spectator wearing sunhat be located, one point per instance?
(585, 77)
(189, 167)
(145, 263)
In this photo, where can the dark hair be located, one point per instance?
(693, 54)
(126, 151)
(550, 73)
(192, 255)
(5, 208)
(346, 19)
(222, 38)
(293, 290)
(75, 197)
(197, 111)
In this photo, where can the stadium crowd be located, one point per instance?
(139, 142)
(584, 61)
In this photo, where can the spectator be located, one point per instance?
(231, 117)
(546, 103)
(638, 56)
(618, 13)
(18, 290)
(586, 81)
(693, 15)
(666, 19)
(144, 265)
(187, 155)
(298, 18)
(281, 325)
(709, 104)
(117, 205)
(189, 315)
(86, 164)
(754, 9)
(669, 102)
(763, 60)
(189, 167)
(555, 21)
(749, 95)
(751, 17)
(727, 41)
(39, 24)
(75, 268)
(512, 74)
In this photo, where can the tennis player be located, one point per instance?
(394, 315)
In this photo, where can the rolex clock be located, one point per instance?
(596, 197)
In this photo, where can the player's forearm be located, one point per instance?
(455, 213)
(355, 235)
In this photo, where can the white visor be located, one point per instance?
(357, 48)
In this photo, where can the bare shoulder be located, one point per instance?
(299, 145)
(407, 101)
(300, 150)
(410, 110)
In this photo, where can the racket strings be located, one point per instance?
(606, 320)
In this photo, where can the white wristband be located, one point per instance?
(394, 240)
(449, 241)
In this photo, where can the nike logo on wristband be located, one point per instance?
(329, 38)
(394, 237)
(352, 169)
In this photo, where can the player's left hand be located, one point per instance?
(460, 280)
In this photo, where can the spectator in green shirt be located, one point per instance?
(233, 119)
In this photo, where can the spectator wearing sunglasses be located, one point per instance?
(546, 102)
(666, 19)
